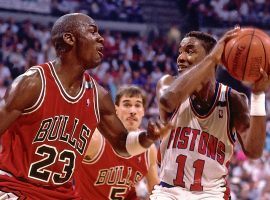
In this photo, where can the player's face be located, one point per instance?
(191, 51)
(130, 111)
(90, 43)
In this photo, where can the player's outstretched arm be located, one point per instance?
(250, 123)
(113, 130)
(192, 78)
(22, 94)
(152, 174)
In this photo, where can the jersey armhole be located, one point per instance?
(41, 97)
(96, 103)
(98, 155)
(231, 130)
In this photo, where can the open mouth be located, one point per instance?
(182, 68)
(100, 51)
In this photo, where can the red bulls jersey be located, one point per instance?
(44, 145)
(197, 152)
(110, 176)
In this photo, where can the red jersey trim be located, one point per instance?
(62, 90)
(95, 99)
(211, 110)
(41, 97)
(99, 153)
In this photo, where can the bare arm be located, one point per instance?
(110, 125)
(251, 129)
(162, 85)
(192, 78)
(152, 175)
(22, 94)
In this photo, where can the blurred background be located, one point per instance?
(141, 44)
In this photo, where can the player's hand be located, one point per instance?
(262, 84)
(157, 130)
(217, 51)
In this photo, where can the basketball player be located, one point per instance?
(206, 117)
(106, 175)
(49, 114)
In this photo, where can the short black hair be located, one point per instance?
(208, 41)
(130, 91)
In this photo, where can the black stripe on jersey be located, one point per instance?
(63, 92)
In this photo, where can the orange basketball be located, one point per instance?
(244, 55)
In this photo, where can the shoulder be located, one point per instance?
(105, 101)
(238, 99)
(25, 90)
(239, 110)
(165, 80)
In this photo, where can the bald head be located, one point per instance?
(69, 23)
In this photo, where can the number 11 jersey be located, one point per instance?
(196, 154)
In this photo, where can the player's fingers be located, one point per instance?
(231, 34)
(264, 74)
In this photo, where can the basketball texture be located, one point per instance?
(244, 55)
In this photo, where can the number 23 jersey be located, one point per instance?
(44, 145)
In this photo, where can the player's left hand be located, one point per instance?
(262, 84)
(157, 130)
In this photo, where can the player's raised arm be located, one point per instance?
(22, 94)
(250, 123)
(193, 74)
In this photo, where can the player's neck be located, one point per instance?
(70, 77)
(202, 101)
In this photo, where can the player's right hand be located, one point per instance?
(157, 130)
(217, 51)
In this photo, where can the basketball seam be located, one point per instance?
(265, 63)
(233, 47)
(245, 66)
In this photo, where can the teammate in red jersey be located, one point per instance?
(106, 175)
(207, 116)
(49, 114)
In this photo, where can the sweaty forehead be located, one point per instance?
(190, 41)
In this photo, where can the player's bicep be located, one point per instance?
(152, 175)
(22, 94)
(162, 86)
(239, 111)
(110, 125)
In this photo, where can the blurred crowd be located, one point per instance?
(128, 59)
(224, 13)
(115, 10)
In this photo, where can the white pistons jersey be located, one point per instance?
(197, 152)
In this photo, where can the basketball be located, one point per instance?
(244, 55)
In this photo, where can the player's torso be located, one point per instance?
(196, 154)
(110, 176)
(44, 145)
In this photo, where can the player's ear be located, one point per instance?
(116, 109)
(69, 38)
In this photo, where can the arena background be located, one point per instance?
(141, 44)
